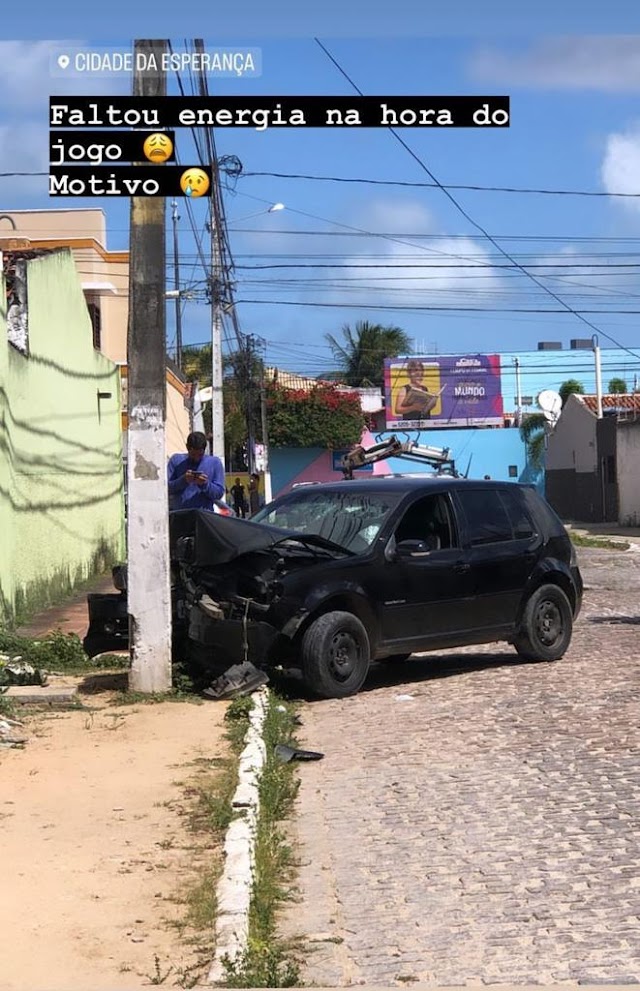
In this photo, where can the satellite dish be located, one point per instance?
(550, 403)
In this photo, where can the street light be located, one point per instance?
(272, 209)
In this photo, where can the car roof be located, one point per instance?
(406, 483)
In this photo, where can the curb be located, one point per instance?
(235, 886)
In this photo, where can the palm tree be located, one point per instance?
(533, 431)
(365, 347)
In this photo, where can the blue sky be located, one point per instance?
(575, 126)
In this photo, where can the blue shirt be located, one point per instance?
(183, 495)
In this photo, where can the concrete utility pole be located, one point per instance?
(596, 353)
(217, 399)
(516, 362)
(175, 217)
(149, 593)
(265, 437)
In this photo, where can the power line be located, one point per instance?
(435, 184)
(465, 309)
(467, 216)
(514, 265)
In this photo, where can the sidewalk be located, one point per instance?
(71, 616)
(628, 533)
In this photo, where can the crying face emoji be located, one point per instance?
(194, 182)
(158, 148)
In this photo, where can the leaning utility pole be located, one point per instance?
(149, 593)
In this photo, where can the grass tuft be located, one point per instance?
(581, 540)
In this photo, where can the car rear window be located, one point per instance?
(486, 518)
(519, 517)
(542, 511)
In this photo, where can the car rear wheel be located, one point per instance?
(335, 655)
(546, 625)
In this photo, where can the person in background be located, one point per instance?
(254, 494)
(196, 479)
(238, 499)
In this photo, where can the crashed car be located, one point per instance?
(333, 576)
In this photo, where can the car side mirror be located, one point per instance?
(412, 548)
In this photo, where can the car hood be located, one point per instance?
(221, 539)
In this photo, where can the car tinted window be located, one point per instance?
(542, 511)
(428, 518)
(485, 515)
(521, 522)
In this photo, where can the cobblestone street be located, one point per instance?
(486, 829)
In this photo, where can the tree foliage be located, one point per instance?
(569, 388)
(242, 375)
(617, 386)
(361, 355)
(322, 417)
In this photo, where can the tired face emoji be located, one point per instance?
(194, 182)
(158, 147)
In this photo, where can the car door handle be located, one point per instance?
(461, 568)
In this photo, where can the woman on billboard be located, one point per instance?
(414, 401)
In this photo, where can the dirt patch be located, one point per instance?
(96, 846)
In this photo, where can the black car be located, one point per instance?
(330, 577)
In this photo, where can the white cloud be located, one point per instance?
(609, 63)
(620, 169)
(399, 281)
(588, 281)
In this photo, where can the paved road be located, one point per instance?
(487, 828)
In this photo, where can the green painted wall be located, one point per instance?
(61, 483)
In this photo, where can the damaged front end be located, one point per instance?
(227, 593)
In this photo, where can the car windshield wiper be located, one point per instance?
(312, 539)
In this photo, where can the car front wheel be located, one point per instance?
(335, 655)
(546, 625)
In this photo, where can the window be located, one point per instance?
(486, 516)
(350, 519)
(519, 518)
(427, 519)
(93, 306)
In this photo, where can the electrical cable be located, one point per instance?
(467, 216)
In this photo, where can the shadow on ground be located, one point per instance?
(109, 681)
(415, 670)
(615, 620)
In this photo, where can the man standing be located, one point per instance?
(254, 494)
(239, 499)
(196, 479)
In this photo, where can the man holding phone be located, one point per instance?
(196, 479)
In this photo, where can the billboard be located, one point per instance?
(443, 391)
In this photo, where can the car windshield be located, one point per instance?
(350, 519)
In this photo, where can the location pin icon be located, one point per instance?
(63, 61)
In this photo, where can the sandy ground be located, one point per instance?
(95, 844)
